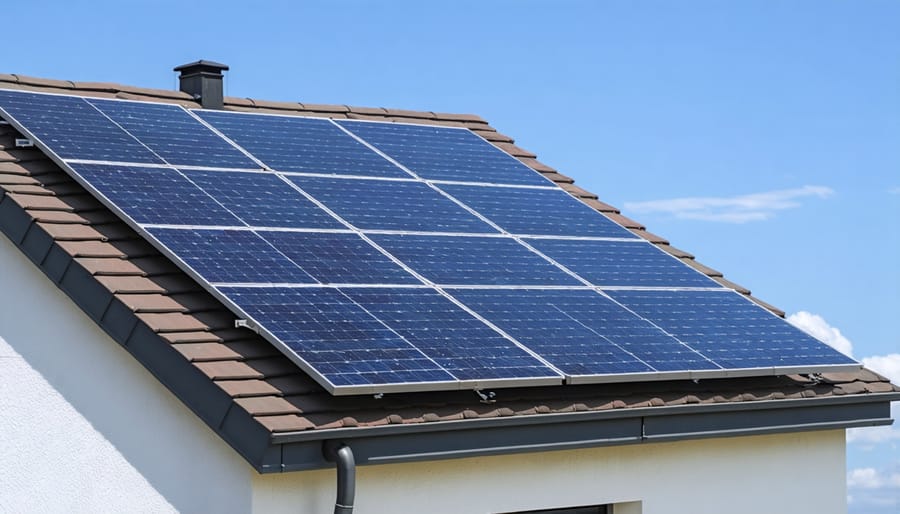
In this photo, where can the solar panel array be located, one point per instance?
(389, 257)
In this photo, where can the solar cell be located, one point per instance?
(582, 333)
(391, 205)
(231, 256)
(551, 212)
(262, 199)
(444, 153)
(335, 337)
(173, 134)
(453, 338)
(73, 129)
(462, 260)
(617, 263)
(155, 195)
(730, 329)
(290, 143)
(338, 258)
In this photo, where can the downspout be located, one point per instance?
(345, 464)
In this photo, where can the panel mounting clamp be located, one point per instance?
(22, 142)
(486, 397)
(242, 323)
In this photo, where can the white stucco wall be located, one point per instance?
(84, 427)
(778, 473)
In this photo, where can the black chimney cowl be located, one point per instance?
(203, 80)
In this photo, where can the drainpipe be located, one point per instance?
(342, 456)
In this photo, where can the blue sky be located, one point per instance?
(762, 137)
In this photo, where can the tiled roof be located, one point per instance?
(147, 304)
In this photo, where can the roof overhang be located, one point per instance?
(481, 437)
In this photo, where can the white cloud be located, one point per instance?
(734, 209)
(894, 190)
(816, 326)
(887, 365)
(871, 478)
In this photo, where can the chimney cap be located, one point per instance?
(201, 66)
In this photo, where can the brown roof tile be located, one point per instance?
(267, 406)
(150, 303)
(228, 370)
(37, 81)
(247, 388)
(133, 285)
(204, 352)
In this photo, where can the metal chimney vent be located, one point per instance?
(203, 80)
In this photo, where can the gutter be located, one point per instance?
(553, 432)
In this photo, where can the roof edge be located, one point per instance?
(476, 438)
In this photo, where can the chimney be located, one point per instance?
(203, 81)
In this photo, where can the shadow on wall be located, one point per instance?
(85, 427)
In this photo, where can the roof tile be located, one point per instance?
(150, 303)
(247, 388)
(117, 284)
(204, 352)
(289, 423)
(228, 370)
(267, 406)
(37, 81)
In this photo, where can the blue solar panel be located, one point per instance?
(339, 258)
(473, 260)
(290, 143)
(581, 332)
(155, 195)
(73, 129)
(336, 337)
(262, 199)
(616, 263)
(232, 256)
(537, 211)
(391, 205)
(444, 153)
(173, 134)
(385, 330)
(453, 338)
(730, 329)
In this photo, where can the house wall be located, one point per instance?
(84, 427)
(776, 473)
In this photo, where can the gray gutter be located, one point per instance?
(547, 432)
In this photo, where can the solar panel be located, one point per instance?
(334, 258)
(391, 205)
(367, 337)
(473, 260)
(453, 338)
(618, 263)
(582, 333)
(336, 338)
(262, 199)
(290, 143)
(173, 134)
(443, 153)
(155, 195)
(235, 256)
(551, 212)
(373, 279)
(73, 128)
(730, 329)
